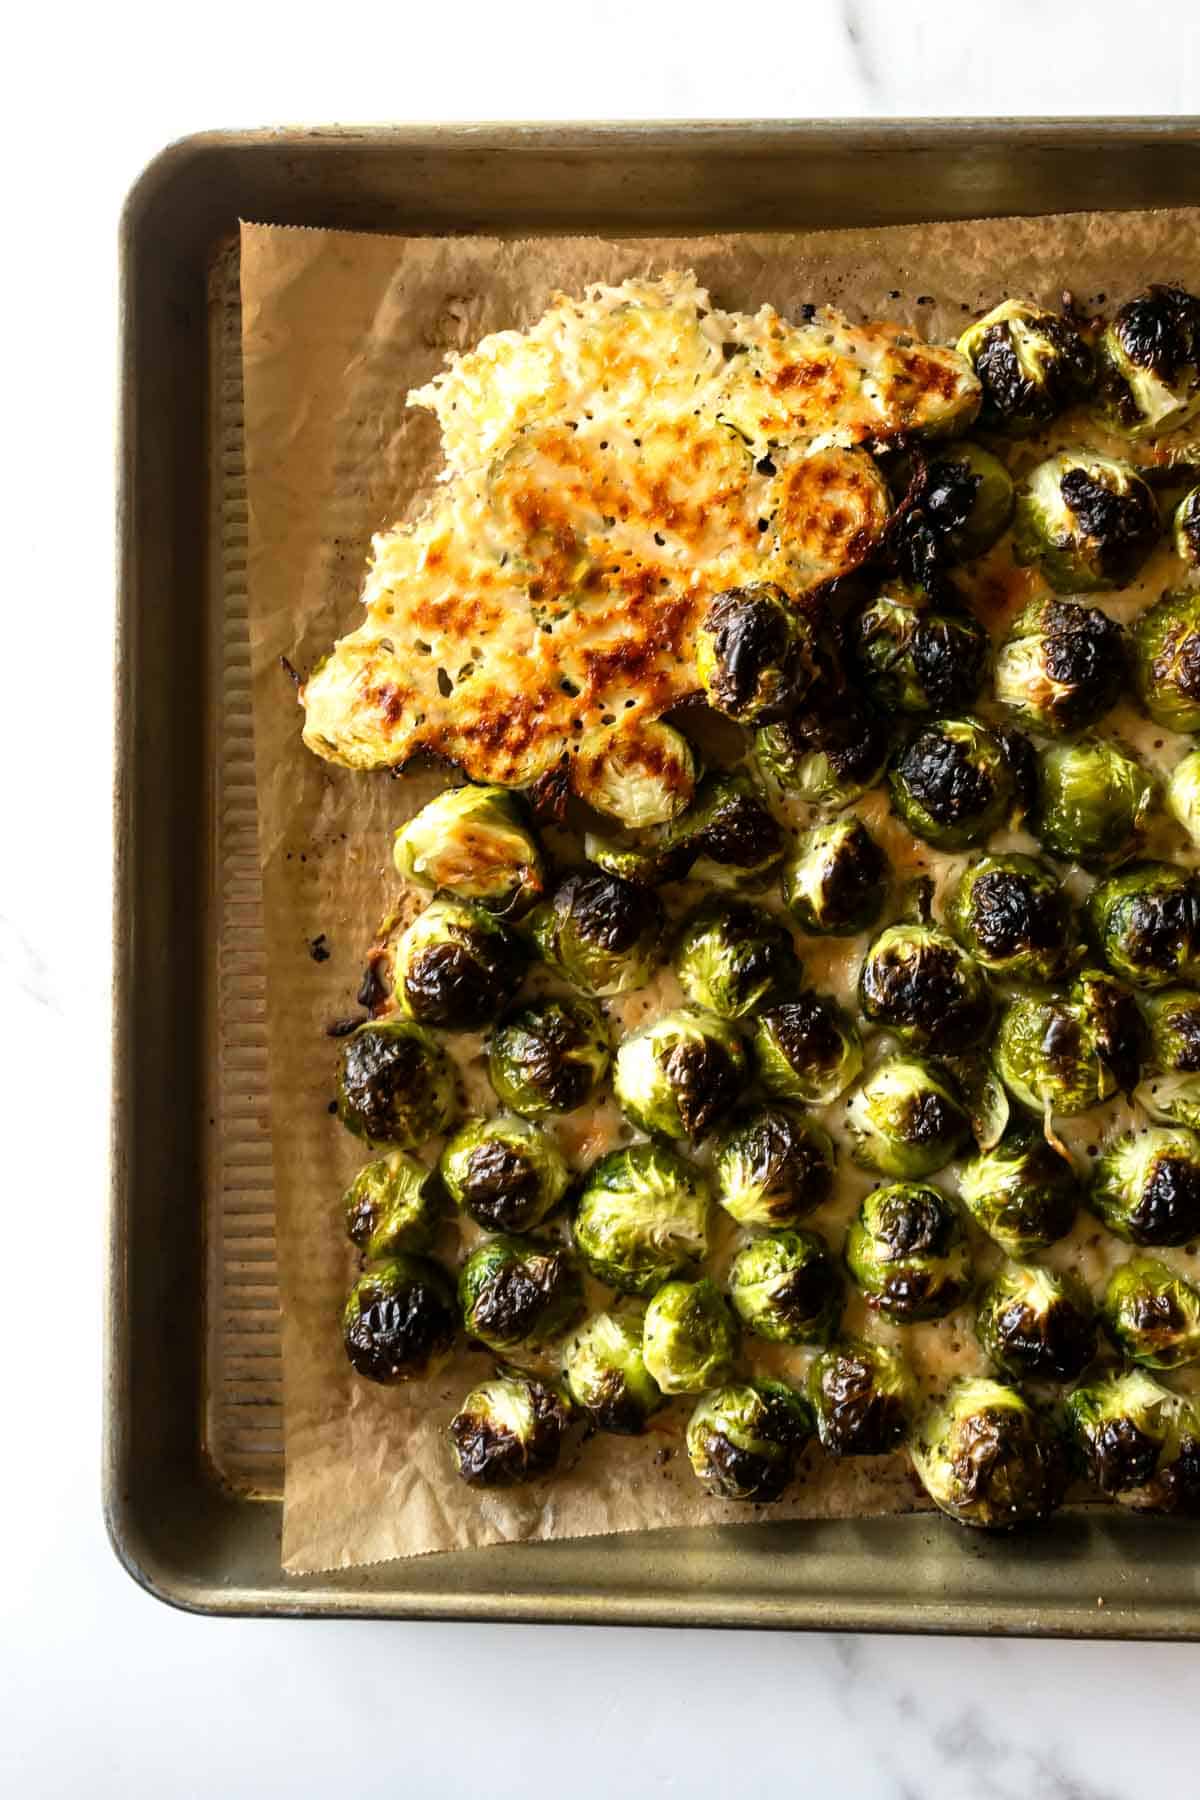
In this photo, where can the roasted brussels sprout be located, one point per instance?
(504, 1173)
(1171, 1099)
(836, 880)
(907, 1118)
(681, 1074)
(1139, 1441)
(1183, 794)
(742, 1440)
(862, 1395)
(955, 511)
(1149, 363)
(1152, 1314)
(951, 784)
(396, 1085)
(519, 1293)
(1093, 802)
(916, 981)
(1173, 1016)
(907, 1250)
(604, 934)
(1185, 528)
(1146, 1186)
(807, 1050)
(732, 958)
(1024, 1193)
(917, 654)
(772, 1167)
(1050, 1054)
(393, 1205)
(509, 1430)
(642, 1217)
(1145, 922)
(1036, 1325)
(731, 837)
(549, 1056)
(400, 1320)
(1031, 364)
(1117, 1023)
(690, 1337)
(478, 844)
(755, 654)
(1087, 521)
(606, 1376)
(786, 1288)
(1011, 915)
(1061, 667)
(640, 777)
(1166, 660)
(827, 755)
(456, 966)
(984, 1456)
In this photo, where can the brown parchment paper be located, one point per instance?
(336, 328)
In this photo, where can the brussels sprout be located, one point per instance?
(1093, 802)
(392, 1205)
(786, 1288)
(732, 838)
(1031, 364)
(504, 1173)
(836, 881)
(807, 1050)
(519, 1293)
(690, 1337)
(1086, 520)
(755, 654)
(604, 934)
(1116, 1020)
(1146, 1186)
(1145, 922)
(918, 655)
(772, 1167)
(1166, 660)
(639, 777)
(1185, 528)
(1036, 1325)
(1149, 361)
(956, 511)
(1024, 1193)
(732, 958)
(478, 844)
(1050, 1054)
(456, 966)
(1173, 1099)
(509, 1430)
(1011, 915)
(400, 1320)
(1183, 795)
(907, 1250)
(606, 1376)
(396, 1085)
(862, 1395)
(648, 862)
(1140, 1442)
(549, 1056)
(742, 1440)
(951, 784)
(916, 981)
(907, 1118)
(828, 755)
(642, 1217)
(680, 1075)
(1174, 1020)
(1061, 667)
(984, 1456)
(1152, 1314)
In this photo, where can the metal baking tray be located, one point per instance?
(192, 1442)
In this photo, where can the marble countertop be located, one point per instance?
(104, 1691)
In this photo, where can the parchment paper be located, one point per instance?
(336, 328)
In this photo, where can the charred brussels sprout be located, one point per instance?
(1149, 359)
(774, 1166)
(1116, 1020)
(1166, 651)
(400, 1320)
(1024, 1193)
(1062, 666)
(1031, 364)
(1140, 1442)
(862, 1395)
(731, 837)
(1036, 1325)
(835, 882)
(1093, 802)
(1145, 922)
(1086, 520)
(1152, 1314)
(732, 958)
(951, 784)
(639, 777)
(985, 1457)
(827, 755)
(690, 1337)
(642, 1217)
(1050, 1054)
(393, 1205)
(1012, 916)
(1185, 528)
(755, 654)
(907, 1250)
(604, 934)
(478, 844)
(549, 1056)
(518, 1293)
(742, 1440)
(807, 1050)
(907, 1118)
(1183, 795)
(917, 655)
(1173, 1017)
(786, 1288)
(504, 1173)
(456, 966)
(509, 1430)
(956, 510)
(396, 1085)
(681, 1074)
(916, 981)
(606, 1376)
(1146, 1186)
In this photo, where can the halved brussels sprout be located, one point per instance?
(918, 654)
(774, 1166)
(1145, 922)
(681, 1074)
(478, 844)
(1087, 520)
(863, 1395)
(742, 1440)
(1152, 1314)
(1171, 1099)
(549, 1056)
(690, 1337)
(951, 784)
(755, 654)
(962, 505)
(1061, 667)
(907, 1250)
(1050, 1054)
(985, 1457)
(1140, 1442)
(456, 966)
(519, 1293)
(916, 981)
(731, 836)
(1173, 1016)
(733, 958)
(1185, 528)
(1036, 1325)
(400, 1320)
(642, 1217)
(807, 1050)
(1146, 1186)
(907, 1118)
(509, 1430)
(396, 1085)
(642, 776)
(393, 1205)
(1024, 1193)
(1117, 1023)
(836, 880)
(1149, 360)
(786, 1288)
(504, 1173)
(604, 934)
(1011, 915)
(1093, 803)
(1031, 364)
(828, 754)
(648, 861)
(606, 1375)
(1166, 660)
(1183, 795)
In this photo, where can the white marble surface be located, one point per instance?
(101, 1690)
